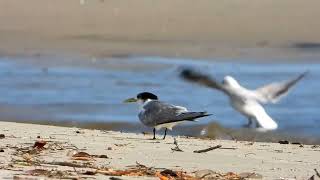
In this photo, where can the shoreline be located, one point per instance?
(213, 131)
(220, 54)
(270, 160)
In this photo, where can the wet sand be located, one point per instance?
(205, 29)
(19, 159)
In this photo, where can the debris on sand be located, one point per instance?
(142, 170)
(87, 166)
(39, 144)
(177, 148)
(83, 156)
(247, 175)
(207, 149)
(209, 174)
(48, 173)
(52, 174)
(317, 172)
(283, 142)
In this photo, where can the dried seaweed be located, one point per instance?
(83, 156)
(209, 174)
(71, 164)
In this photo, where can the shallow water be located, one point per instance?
(57, 89)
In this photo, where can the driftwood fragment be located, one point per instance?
(317, 172)
(283, 142)
(208, 149)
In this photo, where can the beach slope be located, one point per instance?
(112, 151)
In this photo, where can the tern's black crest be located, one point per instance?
(147, 95)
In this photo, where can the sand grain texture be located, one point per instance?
(271, 160)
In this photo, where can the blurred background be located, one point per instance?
(72, 63)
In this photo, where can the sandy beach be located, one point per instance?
(56, 40)
(112, 151)
(205, 29)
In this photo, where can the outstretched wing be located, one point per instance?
(274, 91)
(157, 112)
(202, 79)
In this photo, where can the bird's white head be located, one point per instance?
(230, 81)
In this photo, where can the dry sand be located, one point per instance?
(271, 160)
(188, 28)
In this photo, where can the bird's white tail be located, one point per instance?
(264, 120)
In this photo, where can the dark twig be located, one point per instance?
(317, 172)
(231, 148)
(208, 149)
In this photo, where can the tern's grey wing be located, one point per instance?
(202, 79)
(157, 112)
(274, 91)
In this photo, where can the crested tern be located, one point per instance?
(158, 114)
(247, 102)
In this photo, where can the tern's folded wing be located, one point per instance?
(157, 112)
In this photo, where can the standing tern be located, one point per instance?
(158, 114)
(247, 102)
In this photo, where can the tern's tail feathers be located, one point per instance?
(265, 121)
(190, 116)
(186, 116)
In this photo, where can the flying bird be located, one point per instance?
(158, 114)
(247, 102)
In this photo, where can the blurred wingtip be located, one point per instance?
(186, 71)
(302, 75)
(306, 72)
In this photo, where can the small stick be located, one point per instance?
(208, 149)
(229, 148)
(317, 172)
